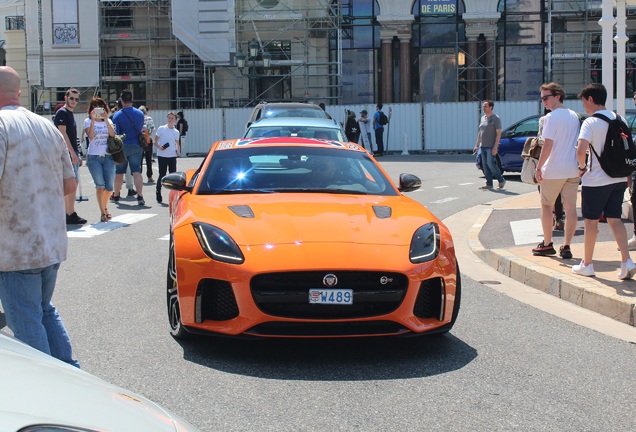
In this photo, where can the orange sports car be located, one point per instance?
(301, 237)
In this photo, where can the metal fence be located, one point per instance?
(415, 127)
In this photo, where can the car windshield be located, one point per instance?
(310, 113)
(293, 169)
(256, 131)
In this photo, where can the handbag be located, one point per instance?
(116, 148)
(528, 170)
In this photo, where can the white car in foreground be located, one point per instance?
(42, 394)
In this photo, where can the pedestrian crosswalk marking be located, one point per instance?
(100, 228)
(444, 200)
(527, 231)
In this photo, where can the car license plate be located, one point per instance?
(331, 296)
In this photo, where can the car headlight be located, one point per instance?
(425, 243)
(217, 244)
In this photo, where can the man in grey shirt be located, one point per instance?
(488, 139)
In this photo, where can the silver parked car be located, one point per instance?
(296, 127)
(285, 109)
(42, 394)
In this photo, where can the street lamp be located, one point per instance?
(251, 59)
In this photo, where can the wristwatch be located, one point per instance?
(582, 169)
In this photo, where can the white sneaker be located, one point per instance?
(628, 270)
(631, 243)
(584, 270)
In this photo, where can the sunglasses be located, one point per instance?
(546, 97)
(73, 99)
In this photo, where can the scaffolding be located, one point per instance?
(304, 39)
(139, 51)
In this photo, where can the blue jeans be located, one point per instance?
(102, 169)
(133, 153)
(26, 300)
(488, 163)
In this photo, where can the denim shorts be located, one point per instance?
(133, 153)
(102, 169)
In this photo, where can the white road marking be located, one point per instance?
(527, 231)
(166, 237)
(100, 228)
(440, 187)
(467, 184)
(444, 200)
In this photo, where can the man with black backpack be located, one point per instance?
(379, 121)
(603, 188)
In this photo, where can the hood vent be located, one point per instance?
(382, 212)
(243, 211)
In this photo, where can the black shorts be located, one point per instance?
(603, 199)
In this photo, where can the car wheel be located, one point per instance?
(174, 312)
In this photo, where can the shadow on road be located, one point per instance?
(331, 359)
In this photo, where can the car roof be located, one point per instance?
(285, 105)
(296, 121)
(284, 142)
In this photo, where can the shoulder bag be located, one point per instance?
(141, 137)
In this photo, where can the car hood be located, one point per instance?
(39, 389)
(309, 217)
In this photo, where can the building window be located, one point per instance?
(117, 17)
(65, 22)
(123, 67)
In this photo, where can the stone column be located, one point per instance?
(404, 36)
(395, 25)
(387, 69)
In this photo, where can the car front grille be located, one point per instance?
(287, 294)
(430, 299)
(215, 301)
(375, 328)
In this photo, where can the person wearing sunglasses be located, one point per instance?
(64, 120)
(557, 170)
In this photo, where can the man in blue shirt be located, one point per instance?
(130, 121)
(378, 127)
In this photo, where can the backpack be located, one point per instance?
(618, 158)
(383, 119)
(185, 126)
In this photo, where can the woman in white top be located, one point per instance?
(168, 149)
(98, 128)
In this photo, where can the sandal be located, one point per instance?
(108, 215)
(104, 218)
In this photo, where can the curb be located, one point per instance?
(586, 293)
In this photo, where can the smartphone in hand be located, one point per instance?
(99, 112)
(165, 146)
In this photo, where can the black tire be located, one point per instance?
(172, 297)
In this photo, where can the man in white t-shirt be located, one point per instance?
(168, 149)
(556, 170)
(600, 193)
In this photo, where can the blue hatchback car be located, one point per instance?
(511, 144)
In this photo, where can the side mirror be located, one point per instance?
(175, 181)
(408, 183)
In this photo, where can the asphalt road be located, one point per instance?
(505, 366)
